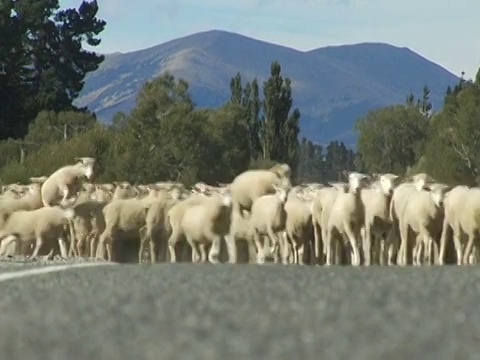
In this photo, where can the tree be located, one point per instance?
(43, 58)
(311, 162)
(248, 98)
(455, 134)
(279, 133)
(337, 159)
(50, 126)
(392, 138)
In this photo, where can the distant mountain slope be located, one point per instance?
(332, 86)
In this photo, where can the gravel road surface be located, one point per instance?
(187, 311)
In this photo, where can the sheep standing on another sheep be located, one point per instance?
(347, 216)
(249, 186)
(66, 181)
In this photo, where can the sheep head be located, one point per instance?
(357, 181)
(421, 181)
(438, 192)
(87, 164)
(388, 183)
(282, 193)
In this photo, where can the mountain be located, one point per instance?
(332, 86)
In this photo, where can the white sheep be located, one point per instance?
(249, 186)
(376, 202)
(423, 214)
(30, 201)
(66, 181)
(323, 201)
(398, 202)
(347, 216)
(207, 223)
(299, 227)
(267, 219)
(39, 226)
(175, 215)
(123, 219)
(157, 225)
(467, 221)
(454, 202)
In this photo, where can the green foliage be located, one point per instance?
(46, 159)
(391, 139)
(248, 98)
(43, 58)
(50, 126)
(455, 134)
(279, 133)
(273, 131)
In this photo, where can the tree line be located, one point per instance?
(165, 136)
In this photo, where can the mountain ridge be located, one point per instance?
(332, 86)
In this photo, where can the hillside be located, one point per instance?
(332, 86)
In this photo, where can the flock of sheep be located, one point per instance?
(259, 217)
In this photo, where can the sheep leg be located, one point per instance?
(7, 241)
(457, 243)
(287, 249)
(328, 247)
(417, 251)
(252, 252)
(403, 252)
(367, 245)
(38, 246)
(63, 248)
(93, 243)
(214, 249)
(353, 243)
(260, 251)
(203, 252)
(172, 241)
(65, 192)
(317, 239)
(231, 248)
(153, 250)
(468, 249)
(80, 244)
(443, 241)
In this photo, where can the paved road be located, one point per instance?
(187, 311)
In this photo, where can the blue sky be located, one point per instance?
(444, 31)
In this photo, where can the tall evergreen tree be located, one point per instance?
(248, 98)
(42, 58)
(280, 130)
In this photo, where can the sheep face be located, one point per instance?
(421, 181)
(438, 193)
(282, 193)
(88, 171)
(87, 165)
(387, 183)
(357, 181)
